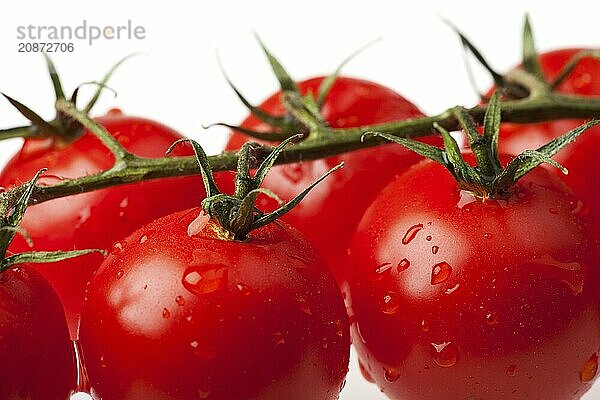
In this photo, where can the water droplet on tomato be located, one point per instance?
(487, 235)
(411, 233)
(424, 326)
(324, 343)
(440, 273)
(180, 301)
(143, 239)
(198, 224)
(124, 203)
(243, 289)
(194, 344)
(383, 268)
(120, 274)
(304, 305)
(511, 370)
(389, 303)
(428, 238)
(553, 211)
(452, 289)
(189, 318)
(166, 313)
(403, 265)
(491, 319)
(203, 394)
(118, 247)
(205, 280)
(391, 374)
(435, 249)
(444, 354)
(590, 369)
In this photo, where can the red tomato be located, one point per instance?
(182, 314)
(455, 298)
(330, 213)
(579, 157)
(36, 355)
(96, 219)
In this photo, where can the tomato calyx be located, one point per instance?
(63, 128)
(9, 227)
(303, 112)
(236, 214)
(488, 178)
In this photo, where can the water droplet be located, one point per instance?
(428, 238)
(553, 211)
(435, 249)
(389, 303)
(440, 273)
(194, 344)
(424, 326)
(198, 224)
(188, 318)
(590, 369)
(491, 319)
(511, 370)
(324, 343)
(304, 305)
(383, 268)
(143, 239)
(2, 189)
(120, 274)
(452, 289)
(166, 313)
(180, 300)
(444, 354)
(118, 247)
(202, 281)
(278, 339)
(403, 265)
(411, 233)
(391, 374)
(203, 394)
(487, 235)
(124, 203)
(243, 289)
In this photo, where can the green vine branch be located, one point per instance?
(541, 105)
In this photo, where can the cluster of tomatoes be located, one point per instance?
(445, 296)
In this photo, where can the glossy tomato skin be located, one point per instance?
(454, 298)
(181, 314)
(578, 157)
(36, 356)
(96, 219)
(331, 211)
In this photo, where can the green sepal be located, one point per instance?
(491, 131)
(285, 81)
(58, 90)
(12, 219)
(40, 123)
(273, 120)
(328, 82)
(531, 62)
(42, 257)
(529, 159)
(103, 82)
(570, 66)
(287, 207)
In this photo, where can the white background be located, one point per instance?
(177, 80)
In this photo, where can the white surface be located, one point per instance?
(178, 82)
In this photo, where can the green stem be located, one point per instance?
(541, 105)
